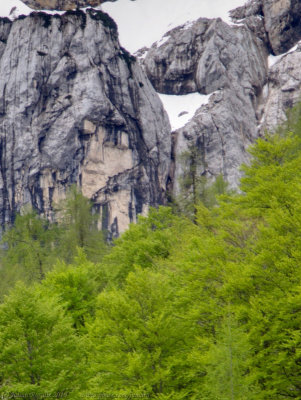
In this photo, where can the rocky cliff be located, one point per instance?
(227, 61)
(250, 89)
(279, 19)
(75, 107)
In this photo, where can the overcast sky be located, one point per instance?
(142, 22)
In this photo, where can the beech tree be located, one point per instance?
(39, 351)
(151, 239)
(76, 286)
(139, 342)
(184, 311)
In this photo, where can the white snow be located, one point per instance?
(175, 105)
(162, 40)
(273, 59)
(235, 24)
(143, 22)
(13, 8)
(187, 25)
(7, 5)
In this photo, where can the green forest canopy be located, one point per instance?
(175, 309)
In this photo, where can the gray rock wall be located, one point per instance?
(77, 108)
(229, 61)
(279, 25)
(282, 91)
(281, 19)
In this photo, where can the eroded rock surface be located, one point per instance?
(205, 56)
(281, 18)
(77, 108)
(212, 57)
(172, 66)
(231, 63)
(283, 89)
(62, 5)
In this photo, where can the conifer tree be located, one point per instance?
(28, 250)
(195, 188)
(79, 226)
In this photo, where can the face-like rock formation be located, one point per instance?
(77, 108)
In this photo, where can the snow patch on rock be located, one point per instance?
(181, 109)
(274, 59)
(163, 40)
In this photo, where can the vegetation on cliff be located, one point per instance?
(175, 309)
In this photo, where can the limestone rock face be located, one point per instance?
(77, 108)
(212, 57)
(283, 89)
(204, 57)
(62, 5)
(231, 64)
(172, 66)
(282, 21)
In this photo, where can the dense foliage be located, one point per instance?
(208, 308)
